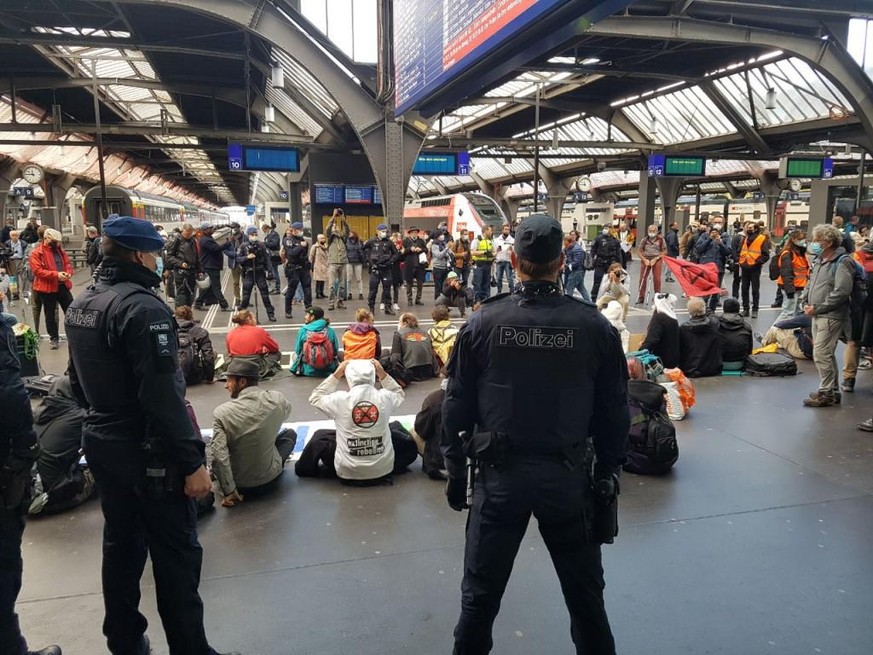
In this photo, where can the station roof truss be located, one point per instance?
(174, 89)
(610, 100)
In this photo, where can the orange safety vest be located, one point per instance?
(749, 255)
(801, 268)
(865, 260)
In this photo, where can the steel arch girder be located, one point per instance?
(827, 56)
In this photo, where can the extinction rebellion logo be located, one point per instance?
(365, 414)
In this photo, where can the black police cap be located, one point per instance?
(539, 239)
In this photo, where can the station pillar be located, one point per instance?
(646, 210)
(295, 200)
(557, 190)
(8, 174)
(56, 188)
(769, 183)
(669, 188)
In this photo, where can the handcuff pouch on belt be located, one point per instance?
(163, 478)
(487, 447)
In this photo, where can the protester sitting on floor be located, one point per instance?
(428, 433)
(613, 314)
(248, 450)
(736, 336)
(362, 451)
(252, 342)
(794, 335)
(317, 349)
(362, 340)
(455, 294)
(443, 335)
(412, 356)
(63, 482)
(700, 350)
(615, 288)
(662, 335)
(196, 355)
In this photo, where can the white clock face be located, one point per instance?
(795, 185)
(584, 184)
(32, 174)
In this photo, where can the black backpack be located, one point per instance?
(770, 365)
(652, 448)
(189, 362)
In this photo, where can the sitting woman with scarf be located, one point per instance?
(662, 335)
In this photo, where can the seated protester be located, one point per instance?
(794, 335)
(428, 433)
(362, 340)
(247, 450)
(615, 288)
(455, 294)
(443, 335)
(736, 336)
(412, 356)
(613, 313)
(253, 343)
(315, 354)
(363, 450)
(196, 356)
(63, 482)
(699, 342)
(662, 335)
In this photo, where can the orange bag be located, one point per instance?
(683, 385)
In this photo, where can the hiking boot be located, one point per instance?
(288, 315)
(372, 309)
(866, 426)
(754, 313)
(53, 344)
(776, 305)
(271, 316)
(745, 313)
(360, 296)
(758, 337)
(820, 399)
(418, 302)
(389, 311)
(340, 304)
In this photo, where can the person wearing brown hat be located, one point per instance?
(247, 455)
(531, 375)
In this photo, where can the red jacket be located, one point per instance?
(45, 270)
(250, 340)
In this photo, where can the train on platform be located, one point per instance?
(155, 209)
(460, 211)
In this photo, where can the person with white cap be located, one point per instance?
(146, 457)
(53, 279)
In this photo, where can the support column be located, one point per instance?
(295, 201)
(557, 190)
(9, 172)
(669, 188)
(819, 205)
(769, 183)
(510, 207)
(646, 211)
(56, 188)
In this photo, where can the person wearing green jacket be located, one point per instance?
(317, 349)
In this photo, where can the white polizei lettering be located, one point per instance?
(536, 337)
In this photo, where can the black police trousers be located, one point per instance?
(503, 502)
(250, 279)
(136, 525)
(11, 529)
(185, 285)
(297, 275)
(383, 276)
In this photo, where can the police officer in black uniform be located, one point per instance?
(183, 260)
(532, 375)
(18, 450)
(140, 443)
(295, 255)
(381, 253)
(255, 260)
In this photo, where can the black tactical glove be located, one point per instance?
(16, 479)
(456, 494)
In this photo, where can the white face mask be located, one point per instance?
(652, 235)
(605, 231)
(383, 234)
(254, 238)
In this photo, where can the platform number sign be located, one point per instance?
(463, 163)
(283, 195)
(235, 157)
(656, 165)
(827, 168)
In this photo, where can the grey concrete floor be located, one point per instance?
(758, 542)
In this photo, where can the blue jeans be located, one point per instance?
(482, 281)
(576, 280)
(505, 268)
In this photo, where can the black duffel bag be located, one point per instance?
(770, 365)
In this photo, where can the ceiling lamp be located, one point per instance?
(771, 98)
(277, 76)
(653, 126)
(555, 143)
(590, 60)
(270, 114)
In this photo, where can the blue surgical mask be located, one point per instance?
(814, 248)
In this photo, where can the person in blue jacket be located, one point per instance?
(711, 248)
(323, 346)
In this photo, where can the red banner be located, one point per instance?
(695, 279)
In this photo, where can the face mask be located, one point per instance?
(801, 244)
(465, 238)
(814, 248)
(254, 238)
(652, 235)
(605, 231)
(750, 231)
(383, 234)
(717, 226)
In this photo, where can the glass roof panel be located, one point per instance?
(678, 117)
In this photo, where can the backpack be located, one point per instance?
(318, 350)
(770, 365)
(652, 445)
(651, 364)
(858, 297)
(776, 266)
(189, 362)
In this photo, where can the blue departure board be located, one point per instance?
(275, 159)
(377, 196)
(359, 195)
(329, 194)
(437, 163)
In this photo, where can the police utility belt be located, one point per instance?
(494, 449)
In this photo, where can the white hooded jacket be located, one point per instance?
(363, 438)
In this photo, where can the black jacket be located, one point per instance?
(259, 263)
(29, 234)
(203, 366)
(411, 259)
(181, 251)
(736, 337)
(606, 249)
(58, 421)
(16, 427)
(700, 350)
(274, 243)
(296, 252)
(662, 339)
(672, 239)
(355, 250)
(380, 253)
(124, 365)
(212, 254)
(429, 426)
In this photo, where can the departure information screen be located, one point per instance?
(436, 40)
(329, 194)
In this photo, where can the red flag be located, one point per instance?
(695, 279)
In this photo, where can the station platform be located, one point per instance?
(757, 542)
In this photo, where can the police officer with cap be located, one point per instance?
(295, 259)
(533, 375)
(255, 260)
(140, 443)
(381, 253)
